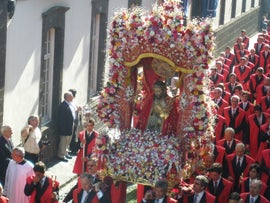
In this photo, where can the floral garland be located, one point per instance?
(143, 157)
(161, 33)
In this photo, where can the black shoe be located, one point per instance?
(72, 153)
(68, 157)
(62, 159)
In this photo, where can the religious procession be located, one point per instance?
(181, 124)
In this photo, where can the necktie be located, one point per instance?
(195, 198)
(238, 165)
(251, 200)
(233, 112)
(215, 186)
(229, 144)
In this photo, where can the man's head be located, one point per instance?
(258, 110)
(90, 125)
(229, 134)
(6, 131)
(232, 77)
(245, 96)
(73, 92)
(33, 120)
(234, 101)
(255, 187)
(254, 171)
(215, 171)
(260, 71)
(39, 169)
(161, 188)
(18, 154)
(234, 197)
(91, 166)
(86, 181)
(200, 183)
(240, 149)
(217, 92)
(68, 96)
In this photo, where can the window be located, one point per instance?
(94, 54)
(47, 78)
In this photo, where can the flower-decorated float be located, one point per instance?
(162, 135)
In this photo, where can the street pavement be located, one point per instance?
(63, 170)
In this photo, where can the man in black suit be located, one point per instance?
(90, 192)
(65, 124)
(159, 194)
(200, 194)
(6, 148)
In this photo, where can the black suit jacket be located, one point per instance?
(153, 201)
(258, 200)
(5, 156)
(239, 171)
(65, 120)
(191, 198)
(91, 195)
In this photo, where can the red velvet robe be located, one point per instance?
(47, 195)
(223, 143)
(118, 193)
(244, 187)
(265, 61)
(76, 194)
(239, 123)
(223, 191)
(239, 54)
(231, 165)
(78, 162)
(219, 127)
(265, 104)
(266, 160)
(257, 50)
(254, 130)
(207, 198)
(243, 77)
(3, 199)
(249, 109)
(254, 82)
(245, 196)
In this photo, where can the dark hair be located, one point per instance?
(258, 108)
(216, 167)
(162, 184)
(203, 180)
(39, 167)
(234, 196)
(91, 120)
(255, 166)
(73, 91)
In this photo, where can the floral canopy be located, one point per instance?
(136, 35)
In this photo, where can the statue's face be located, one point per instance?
(158, 92)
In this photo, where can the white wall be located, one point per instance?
(24, 52)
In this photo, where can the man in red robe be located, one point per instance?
(265, 59)
(218, 186)
(238, 164)
(200, 194)
(254, 194)
(255, 80)
(89, 192)
(40, 187)
(159, 194)
(87, 139)
(236, 118)
(242, 72)
(255, 122)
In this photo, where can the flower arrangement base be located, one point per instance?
(144, 157)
